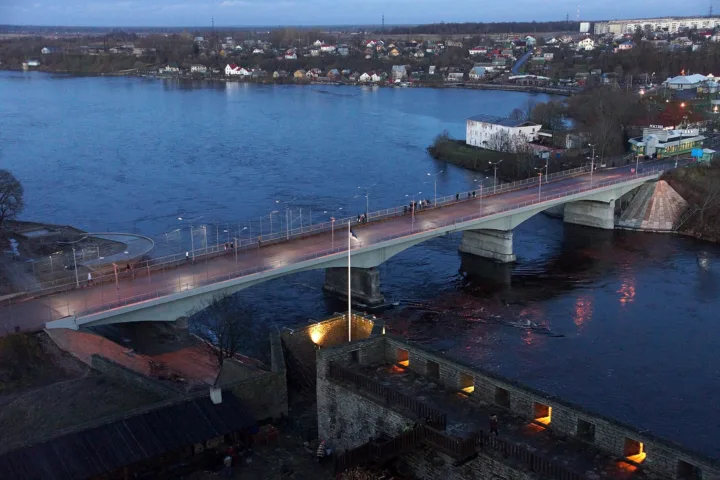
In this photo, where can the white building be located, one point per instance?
(685, 82)
(495, 133)
(197, 68)
(586, 44)
(232, 69)
(325, 48)
(364, 78)
(477, 51)
(669, 24)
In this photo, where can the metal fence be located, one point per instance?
(246, 245)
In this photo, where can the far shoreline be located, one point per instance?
(290, 81)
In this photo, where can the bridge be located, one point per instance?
(486, 218)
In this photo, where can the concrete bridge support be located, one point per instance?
(493, 244)
(591, 214)
(485, 270)
(365, 284)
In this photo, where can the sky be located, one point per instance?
(173, 13)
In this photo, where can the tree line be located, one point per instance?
(483, 28)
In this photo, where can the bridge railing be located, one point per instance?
(245, 245)
(144, 267)
(198, 279)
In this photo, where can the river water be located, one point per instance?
(622, 323)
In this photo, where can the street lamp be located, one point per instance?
(271, 214)
(367, 199)
(77, 280)
(412, 227)
(435, 175)
(287, 216)
(495, 165)
(592, 162)
(539, 182)
(481, 182)
(332, 226)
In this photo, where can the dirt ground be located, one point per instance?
(44, 390)
(35, 265)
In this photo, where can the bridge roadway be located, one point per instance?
(198, 277)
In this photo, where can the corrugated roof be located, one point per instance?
(107, 447)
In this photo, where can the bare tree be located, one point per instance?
(225, 325)
(11, 196)
(517, 114)
(711, 199)
(500, 141)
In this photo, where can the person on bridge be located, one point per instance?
(187, 256)
(457, 197)
(89, 279)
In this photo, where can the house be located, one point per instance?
(333, 74)
(299, 74)
(170, 68)
(394, 52)
(33, 63)
(343, 50)
(431, 70)
(398, 73)
(419, 54)
(548, 56)
(477, 51)
(279, 74)
(232, 69)
(325, 48)
(500, 134)
(364, 78)
(290, 54)
(685, 82)
(477, 73)
(197, 68)
(586, 44)
(530, 41)
(313, 73)
(625, 46)
(317, 43)
(551, 41)
(354, 76)
(455, 77)
(378, 77)
(258, 51)
(46, 50)
(315, 52)
(658, 142)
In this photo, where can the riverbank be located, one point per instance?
(700, 186)
(536, 89)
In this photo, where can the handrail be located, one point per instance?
(486, 211)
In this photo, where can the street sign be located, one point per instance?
(697, 152)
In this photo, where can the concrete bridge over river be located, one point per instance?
(487, 221)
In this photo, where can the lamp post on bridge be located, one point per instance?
(412, 209)
(495, 165)
(480, 182)
(367, 199)
(592, 162)
(332, 226)
(540, 182)
(287, 216)
(434, 175)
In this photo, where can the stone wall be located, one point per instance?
(567, 419)
(347, 419)
(265, 395)
(125, 375)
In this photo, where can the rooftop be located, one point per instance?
(506, 122)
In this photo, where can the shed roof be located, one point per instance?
(126, 441)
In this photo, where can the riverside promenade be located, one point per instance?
(32, 312)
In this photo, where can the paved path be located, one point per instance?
(515, 70)
(32, 314)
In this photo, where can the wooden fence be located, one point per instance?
(529, 460)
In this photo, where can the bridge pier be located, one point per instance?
(493, 244)
(486, 270)
(365, 284)
(591, 214)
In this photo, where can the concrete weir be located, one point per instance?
(365, 284)
(591, 214)
(493, 244)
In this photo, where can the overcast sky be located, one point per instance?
(325, 12)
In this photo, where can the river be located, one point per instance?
(625, 320)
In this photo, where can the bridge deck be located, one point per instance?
(31, 314)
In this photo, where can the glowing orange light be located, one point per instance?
(404, 363)
(640, 456)
(626, 466)
(682, 105)
(583, 310)
(316, 334)
(469, 389)
(627, 291)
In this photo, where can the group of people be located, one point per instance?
(419, 205)
(469, 195)
(362, 218)
(229, 245)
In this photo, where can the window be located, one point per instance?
(502, 397)
(403, 358)
(585, 430)
(542, 413)
(634, 450)
(688, 471)
(467, 383)
(433, 369)
(355, 357)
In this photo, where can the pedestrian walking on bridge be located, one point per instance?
(494, 425)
